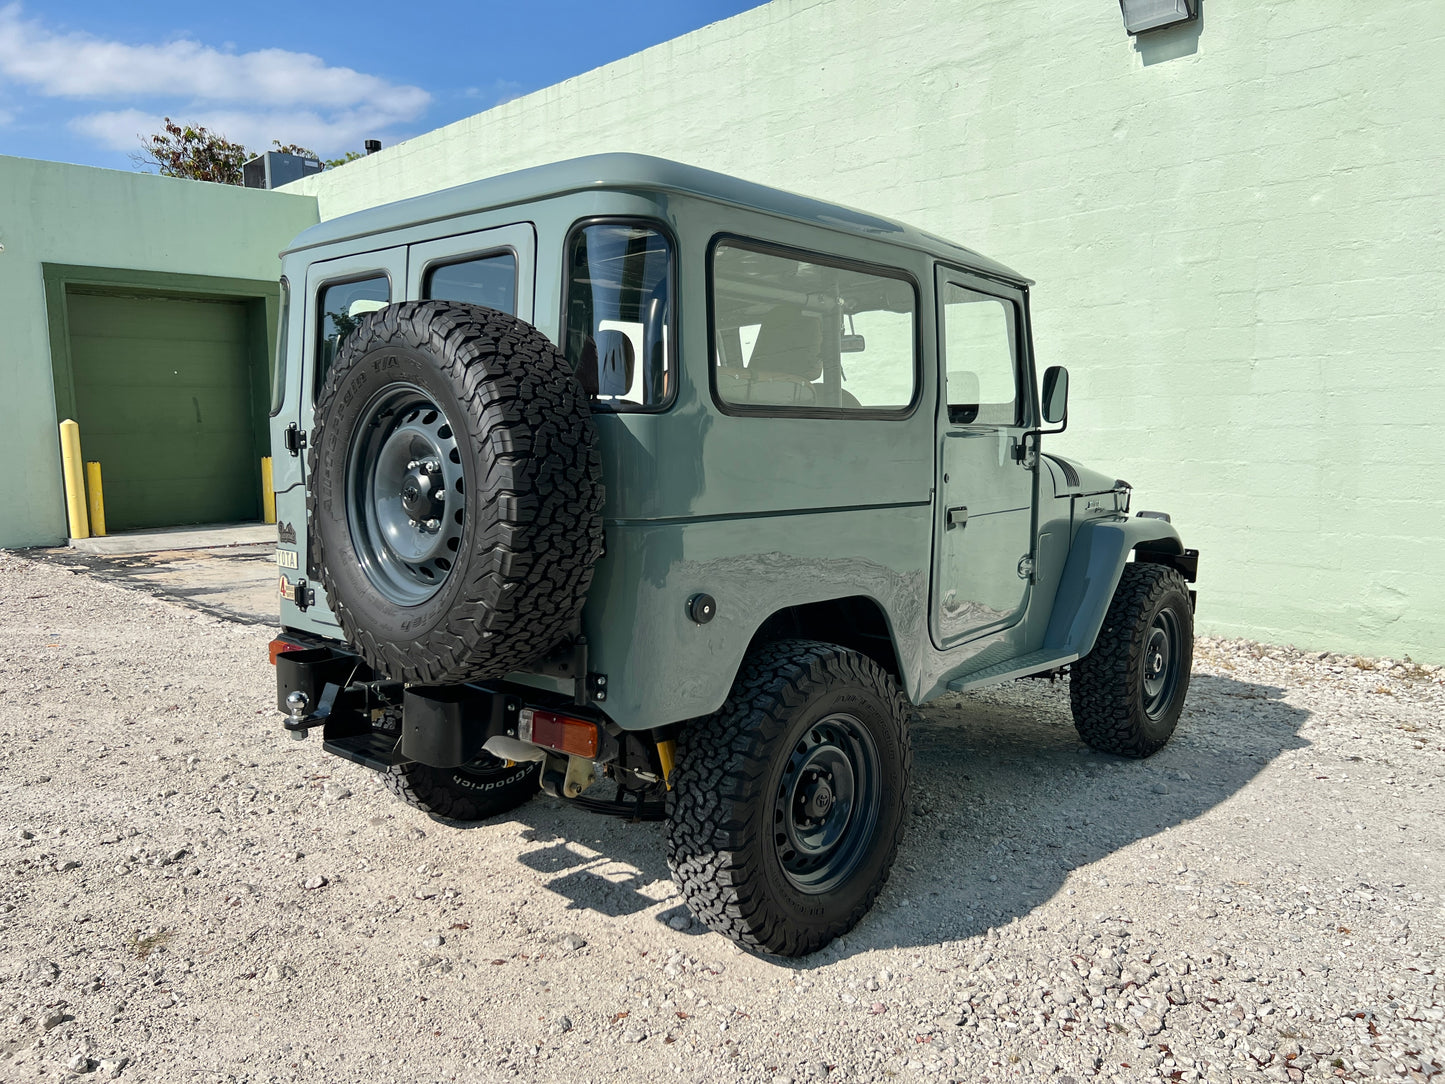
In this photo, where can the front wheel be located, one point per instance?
(1128, 692)
(788, 804)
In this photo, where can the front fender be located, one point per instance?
(1096, 560)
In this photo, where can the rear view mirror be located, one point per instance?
(851, 344)
(1056, 394)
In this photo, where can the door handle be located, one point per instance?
(958, 517)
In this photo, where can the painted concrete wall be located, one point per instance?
(64, 214)
(1235, 227)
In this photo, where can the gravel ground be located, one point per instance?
(189, 895)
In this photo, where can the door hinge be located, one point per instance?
(1026, 567)
(294, 439)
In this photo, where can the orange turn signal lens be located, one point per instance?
(576, 737)
(280, 647)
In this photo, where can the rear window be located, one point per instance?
(797, 333)
(618, 316)
(340, 307)
(278, 367)
(489, 280)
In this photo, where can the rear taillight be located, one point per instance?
(280, 647)
(576, 737)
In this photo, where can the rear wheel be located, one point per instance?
(788, 804)
(1128, 692)
(485, 788)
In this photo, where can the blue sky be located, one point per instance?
(81, 80)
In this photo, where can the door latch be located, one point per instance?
(1026, 567)
(957, 517)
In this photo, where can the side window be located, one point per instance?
(339, 308)
(796, 334)
(618, 316)
(980, 353)
(489, 280)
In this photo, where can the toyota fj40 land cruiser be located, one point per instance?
(617, 469)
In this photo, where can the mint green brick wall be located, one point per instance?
(75, 215)
(1236, 231)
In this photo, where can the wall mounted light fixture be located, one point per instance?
(1144, 15)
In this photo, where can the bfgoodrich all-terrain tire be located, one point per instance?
(788, 804)
(1127, 693)
(454, 492)
(487, 788)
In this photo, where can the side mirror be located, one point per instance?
(1056, 394)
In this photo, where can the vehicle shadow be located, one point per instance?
(235, 583)
(1007, 803)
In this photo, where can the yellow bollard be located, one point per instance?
(72, 465)
(268, 494)
(95, 497)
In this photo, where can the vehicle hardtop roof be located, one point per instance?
(635, 172)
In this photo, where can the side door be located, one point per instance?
(495, 268)
(986, 488)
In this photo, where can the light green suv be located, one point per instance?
(668, 493)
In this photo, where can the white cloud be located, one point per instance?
(249, 97)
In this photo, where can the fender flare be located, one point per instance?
(1096, 561)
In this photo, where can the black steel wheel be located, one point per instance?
(788, 804)
(454, 494)
(1128, 692)
(825, 808)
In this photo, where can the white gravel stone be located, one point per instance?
(1247, 904)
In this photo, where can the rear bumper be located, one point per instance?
(322, 685)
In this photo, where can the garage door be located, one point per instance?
(165, 401)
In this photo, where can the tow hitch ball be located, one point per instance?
(299, 719)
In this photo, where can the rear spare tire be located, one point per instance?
(454, 492)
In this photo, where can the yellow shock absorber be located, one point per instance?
(96, 498)
(74, 470)
(667, 755)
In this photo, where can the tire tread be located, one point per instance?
(1104, 686)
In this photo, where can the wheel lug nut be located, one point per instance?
(432, 466)
(433, 524)
(412, 522)
(439, 495)
(412, 465)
